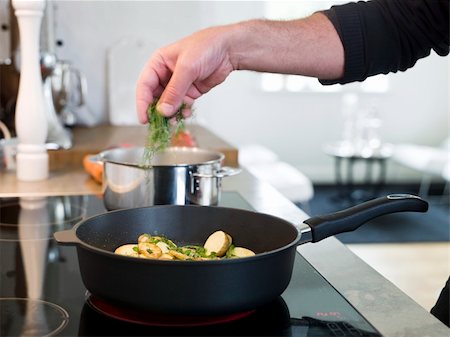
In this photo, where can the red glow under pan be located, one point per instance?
(143, 317)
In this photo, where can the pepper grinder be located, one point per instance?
(31, 118)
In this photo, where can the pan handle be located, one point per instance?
(352, 218)
(67, 237)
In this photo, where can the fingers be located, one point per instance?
(172, 88)
(148, 85)
(144, 97)
(177, 89)
(186, 111)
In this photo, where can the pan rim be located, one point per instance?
(263, 255)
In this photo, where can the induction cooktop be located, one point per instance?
(42, 293)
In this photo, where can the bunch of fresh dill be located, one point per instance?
(160, 131)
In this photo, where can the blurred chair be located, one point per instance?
(430, 161)
(266, 166)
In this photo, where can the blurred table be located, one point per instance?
(350, 189)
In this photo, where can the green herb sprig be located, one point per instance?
(160, 131)
(230, 252)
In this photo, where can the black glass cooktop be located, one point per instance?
(42, 294)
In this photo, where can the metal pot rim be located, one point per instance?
(219, 157)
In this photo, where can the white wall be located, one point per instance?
(294, 125)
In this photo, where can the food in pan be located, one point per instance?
(219, 245)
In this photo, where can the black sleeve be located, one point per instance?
(382, 36)
(441, 309)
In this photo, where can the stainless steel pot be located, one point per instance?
(175, 176)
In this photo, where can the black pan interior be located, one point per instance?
(187, 225)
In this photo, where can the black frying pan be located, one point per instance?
(205, 287)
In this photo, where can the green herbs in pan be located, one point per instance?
(160, 131)
(218, 245)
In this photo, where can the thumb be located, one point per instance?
(175, 91)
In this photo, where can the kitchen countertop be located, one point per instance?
(386, 307)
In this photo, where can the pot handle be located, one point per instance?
(67, 237)
(225, 171)
(352, 218)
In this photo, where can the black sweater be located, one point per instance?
(382, 36)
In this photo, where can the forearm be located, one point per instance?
(185, 70)
(309, 47)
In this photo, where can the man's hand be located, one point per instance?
(183, 71)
